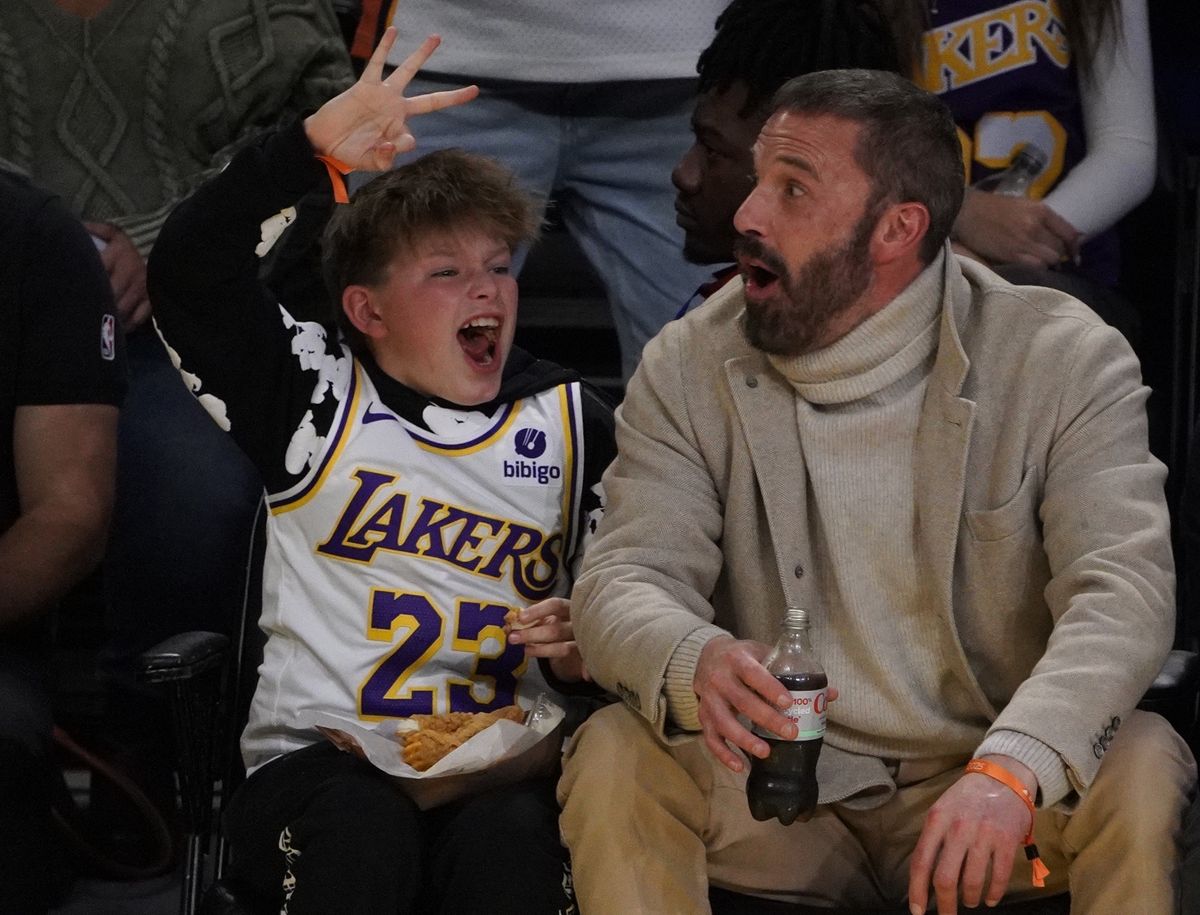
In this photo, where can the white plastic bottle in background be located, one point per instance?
(1016, 180)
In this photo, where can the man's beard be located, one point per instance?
(796, 321)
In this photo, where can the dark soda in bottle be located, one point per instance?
(784, 785)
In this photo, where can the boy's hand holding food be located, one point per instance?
(545, 630)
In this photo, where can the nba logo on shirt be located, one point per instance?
(108, 338)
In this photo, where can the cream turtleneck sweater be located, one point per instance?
(857, 407)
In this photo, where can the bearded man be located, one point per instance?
(950, 473)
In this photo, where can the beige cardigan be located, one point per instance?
(1042, 525)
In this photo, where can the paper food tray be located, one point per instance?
(502, 753)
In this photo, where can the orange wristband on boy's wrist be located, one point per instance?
(1010, 781)
(337, 168)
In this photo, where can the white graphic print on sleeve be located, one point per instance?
(332, 363)
(272, 227)
(312, 352)
(214, 406)
(305, 445)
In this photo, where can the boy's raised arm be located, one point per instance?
(261, 374)
(367, 125)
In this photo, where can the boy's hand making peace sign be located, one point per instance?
(367, 125)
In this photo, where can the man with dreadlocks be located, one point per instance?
(759, 45)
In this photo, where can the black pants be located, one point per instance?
(27, 873)
(327, 832)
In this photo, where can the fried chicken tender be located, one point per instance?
(511, 622)
(440, 734)
(445, 724)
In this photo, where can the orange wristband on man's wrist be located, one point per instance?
(337, 168)
(1010, 781)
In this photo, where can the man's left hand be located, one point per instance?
(975, 827)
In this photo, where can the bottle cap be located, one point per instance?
(796, 617)
(1035, 157)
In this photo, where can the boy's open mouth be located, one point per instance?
(478, 338)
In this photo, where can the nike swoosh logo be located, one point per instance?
(369, 417)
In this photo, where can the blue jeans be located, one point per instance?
(186, 500)
(605, 152)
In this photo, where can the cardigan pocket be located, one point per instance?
(999, 523)
(1000, 576)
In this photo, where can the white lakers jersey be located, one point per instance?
(391, 563)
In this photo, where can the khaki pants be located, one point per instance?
(650, 826)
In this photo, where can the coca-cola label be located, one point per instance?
(807, 712)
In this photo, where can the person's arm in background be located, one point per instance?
(65, 457)
(325, 72)
(1118, 119)
(1115, 174)
(69, 377)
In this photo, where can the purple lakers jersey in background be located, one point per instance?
(1007, 74)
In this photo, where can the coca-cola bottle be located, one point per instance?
(784, 785)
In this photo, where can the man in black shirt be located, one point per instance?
(61, 378)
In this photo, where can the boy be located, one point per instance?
(423, 477)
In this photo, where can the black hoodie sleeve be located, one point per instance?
(599, 435)
(258, 372)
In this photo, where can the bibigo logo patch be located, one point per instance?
(531, 444)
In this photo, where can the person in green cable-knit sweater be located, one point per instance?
(122, 107)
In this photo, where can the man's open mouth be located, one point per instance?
(761, 268)
(756, 276)
(478, 338)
